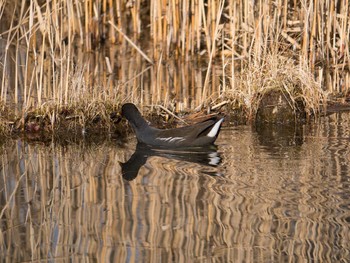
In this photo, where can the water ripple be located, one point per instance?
(274, 199)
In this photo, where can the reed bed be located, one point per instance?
(64, 52)
(275, 71)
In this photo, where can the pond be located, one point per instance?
(263, 194)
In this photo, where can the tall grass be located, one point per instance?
(63, 52)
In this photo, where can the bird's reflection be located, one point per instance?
(202, 155)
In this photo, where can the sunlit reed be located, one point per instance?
(48, 44)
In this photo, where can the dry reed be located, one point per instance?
(44, 42)
(275, 71)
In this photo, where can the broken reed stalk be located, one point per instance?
(131, 43)
(171, 113)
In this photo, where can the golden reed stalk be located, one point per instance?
(52, 38)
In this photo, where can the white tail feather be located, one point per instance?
(214, 131)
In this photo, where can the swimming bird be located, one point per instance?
(199, 134)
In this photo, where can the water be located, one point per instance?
(262, 195)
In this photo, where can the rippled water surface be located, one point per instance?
(261, 195)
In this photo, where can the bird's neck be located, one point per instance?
(139, 122)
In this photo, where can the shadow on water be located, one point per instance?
(273, 136)
(207, 156)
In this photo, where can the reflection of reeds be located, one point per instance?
(73, 203)
(44, 43)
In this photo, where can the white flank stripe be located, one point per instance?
(214, 131)
(180, 139)
(171, 139)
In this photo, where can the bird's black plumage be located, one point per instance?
(199, 134)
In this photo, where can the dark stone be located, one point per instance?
(276, 106)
